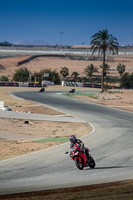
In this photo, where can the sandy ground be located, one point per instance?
(121, 99)
(16, 137)
(9, 65)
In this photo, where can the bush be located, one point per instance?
(127, 80)
(21, 75)
(4, 78)
(53, 75)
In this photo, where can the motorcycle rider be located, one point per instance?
(74, 141)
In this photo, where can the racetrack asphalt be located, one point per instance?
(32, 116)
(110, 145)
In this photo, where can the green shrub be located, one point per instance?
(4, 78)
(127, 80)
(21, 75)
(53, 75)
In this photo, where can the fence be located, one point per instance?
(90, 85)
(20, 84)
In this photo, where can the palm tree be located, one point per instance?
(75, 74)
(90, 69)
(106, 69)
(100, 42)
(121, 68)
(64, 71)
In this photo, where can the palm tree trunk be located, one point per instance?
(102, 79)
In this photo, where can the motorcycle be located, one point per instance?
(80, 158)
(72, 91)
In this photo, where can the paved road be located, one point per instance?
(41, 117)
(110, 144)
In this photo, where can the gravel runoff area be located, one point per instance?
(118, 190)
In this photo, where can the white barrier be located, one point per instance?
(1, 104)
(47, 83)
(71, 84)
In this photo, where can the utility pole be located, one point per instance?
(61, 33)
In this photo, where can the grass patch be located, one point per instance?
(53, 139)
(81, 94)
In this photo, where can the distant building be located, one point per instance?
(81, 46)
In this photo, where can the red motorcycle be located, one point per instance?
(80, 158)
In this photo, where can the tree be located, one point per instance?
(101, 42)
(90, 69)
(53, 75)
(127, 80)
(121, 68)
(106, 69)
(75, 74)
(64, 72)
(21, 75)
(4, 78)
(5, 43)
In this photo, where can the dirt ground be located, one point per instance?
(121, 99)
(110, 191)
(9, 65)
(16, 137)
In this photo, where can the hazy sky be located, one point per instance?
(32, 20)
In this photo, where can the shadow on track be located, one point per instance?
(111, 167)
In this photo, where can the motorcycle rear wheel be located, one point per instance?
(79, 164)
(92, 163)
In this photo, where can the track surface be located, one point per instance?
(110, 144)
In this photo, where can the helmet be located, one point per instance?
(72, 138)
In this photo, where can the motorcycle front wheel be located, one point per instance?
(79, 164)
(92, 163)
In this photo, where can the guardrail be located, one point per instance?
(90, 85)
(16, 84)
(64, 83)
(8, 84)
